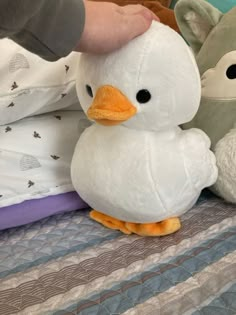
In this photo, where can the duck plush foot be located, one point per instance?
(109, 222)
(162, 228)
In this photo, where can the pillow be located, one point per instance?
(30, 85)
(35, 156)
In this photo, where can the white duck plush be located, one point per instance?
(134, 166)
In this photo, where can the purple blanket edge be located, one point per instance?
(33, 210)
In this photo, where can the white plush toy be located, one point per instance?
(135, 166)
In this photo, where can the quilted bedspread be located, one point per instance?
(68, 264)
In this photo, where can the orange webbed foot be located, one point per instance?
(109, 222)
(162, 228)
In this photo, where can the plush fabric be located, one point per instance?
(225, 151)
(145, 169)
(196, 21)
(216, 59)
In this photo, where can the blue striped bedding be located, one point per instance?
(68, 264)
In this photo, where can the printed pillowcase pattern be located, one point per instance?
(40, 123)
(35, 156)
(30, 85)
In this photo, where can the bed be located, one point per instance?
(69, 264)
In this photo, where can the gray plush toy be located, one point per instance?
(212, 36)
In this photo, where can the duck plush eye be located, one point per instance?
(89, 90)
(143, 96)
(231, 72)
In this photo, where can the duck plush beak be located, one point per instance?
(110, 107)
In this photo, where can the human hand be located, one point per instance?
(109, 26)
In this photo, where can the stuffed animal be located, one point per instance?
(134, 166)
(211, 34)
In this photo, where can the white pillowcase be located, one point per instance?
(30, 85)
(36, 153)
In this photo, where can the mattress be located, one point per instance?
(69, 264)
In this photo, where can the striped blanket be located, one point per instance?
(68, 264)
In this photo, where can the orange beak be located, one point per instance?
(110, 107)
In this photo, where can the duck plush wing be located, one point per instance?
(199, 161)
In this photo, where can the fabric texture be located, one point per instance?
(197, 19)
(108, 178)
(32, 85)
(68, 264)
(216, 59)
(35, 209)
(36, 139)
(225, 151)
(146, 169)
(51, 29)
(36, 155)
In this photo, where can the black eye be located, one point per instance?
(89, 90)
(231, 72)
(143, 96)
